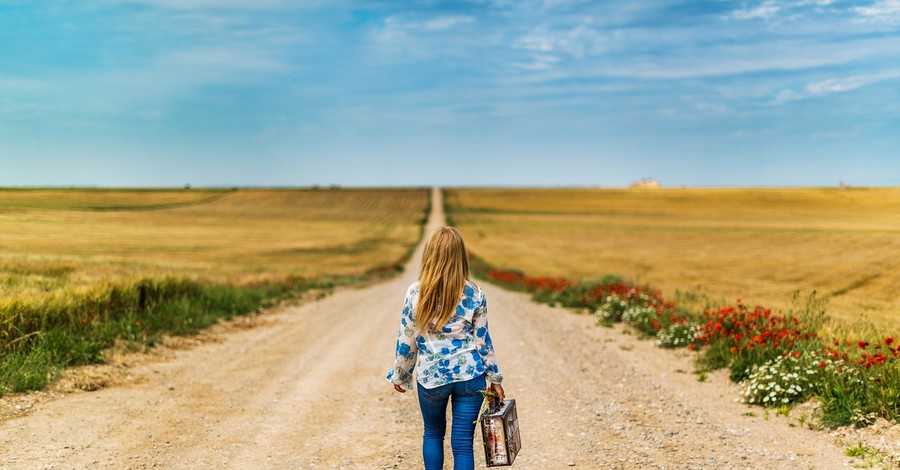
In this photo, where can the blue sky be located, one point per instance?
(478, 92)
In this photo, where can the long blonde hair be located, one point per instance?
(445, 269)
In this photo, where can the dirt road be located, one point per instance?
(306, 389)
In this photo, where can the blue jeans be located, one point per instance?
(465, 398)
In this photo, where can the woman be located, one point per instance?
(444, 325)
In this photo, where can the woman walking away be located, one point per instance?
(444, 325)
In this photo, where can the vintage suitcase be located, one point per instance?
(500, 432)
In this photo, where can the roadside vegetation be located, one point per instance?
(778, 358)
(82, 270)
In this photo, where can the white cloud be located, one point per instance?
(765, 10)
(538, 62)
(537, 41)
(577, 42)
(447, 22)
(838, 85)
(785, 96)
(754, 57)
(396, 26)
(404, 38)
(833, 85)
(881, 10)
(709, 107)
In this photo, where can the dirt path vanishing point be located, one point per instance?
(306, 389)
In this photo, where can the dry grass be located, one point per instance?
(100, 198)
(759, 244)
(63, 241)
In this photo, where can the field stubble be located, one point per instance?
(761, 244)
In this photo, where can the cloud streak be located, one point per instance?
(881, 10)
(835, 85)
(765, 10)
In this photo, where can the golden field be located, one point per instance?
(57, 241)
(761, 244)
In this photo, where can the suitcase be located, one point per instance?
(500, 433)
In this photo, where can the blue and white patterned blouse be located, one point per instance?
(461, 350)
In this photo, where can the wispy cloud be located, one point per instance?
(446, 22)
(881, 10)
(538, 62)
(835, 85)
(577, 42)
(838, 85)
(397, 25)
(765, 10)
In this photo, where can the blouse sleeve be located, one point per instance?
(406, 349)
(483, 343)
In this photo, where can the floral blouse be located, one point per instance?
(459, 351)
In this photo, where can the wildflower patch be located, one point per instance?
(776, 358)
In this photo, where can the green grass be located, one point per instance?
(47, 340)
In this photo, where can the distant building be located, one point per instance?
(646, 183)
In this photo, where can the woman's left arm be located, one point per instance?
(484, 345)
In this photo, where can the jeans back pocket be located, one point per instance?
(475, 385)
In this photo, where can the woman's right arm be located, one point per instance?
(484, 345)
(406, 350)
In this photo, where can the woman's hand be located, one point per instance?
(399, 388)
(498, 389)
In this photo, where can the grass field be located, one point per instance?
(81, 268)
(758, 244)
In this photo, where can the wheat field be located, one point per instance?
(54, 241)
(760, 244)
(83, 269)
